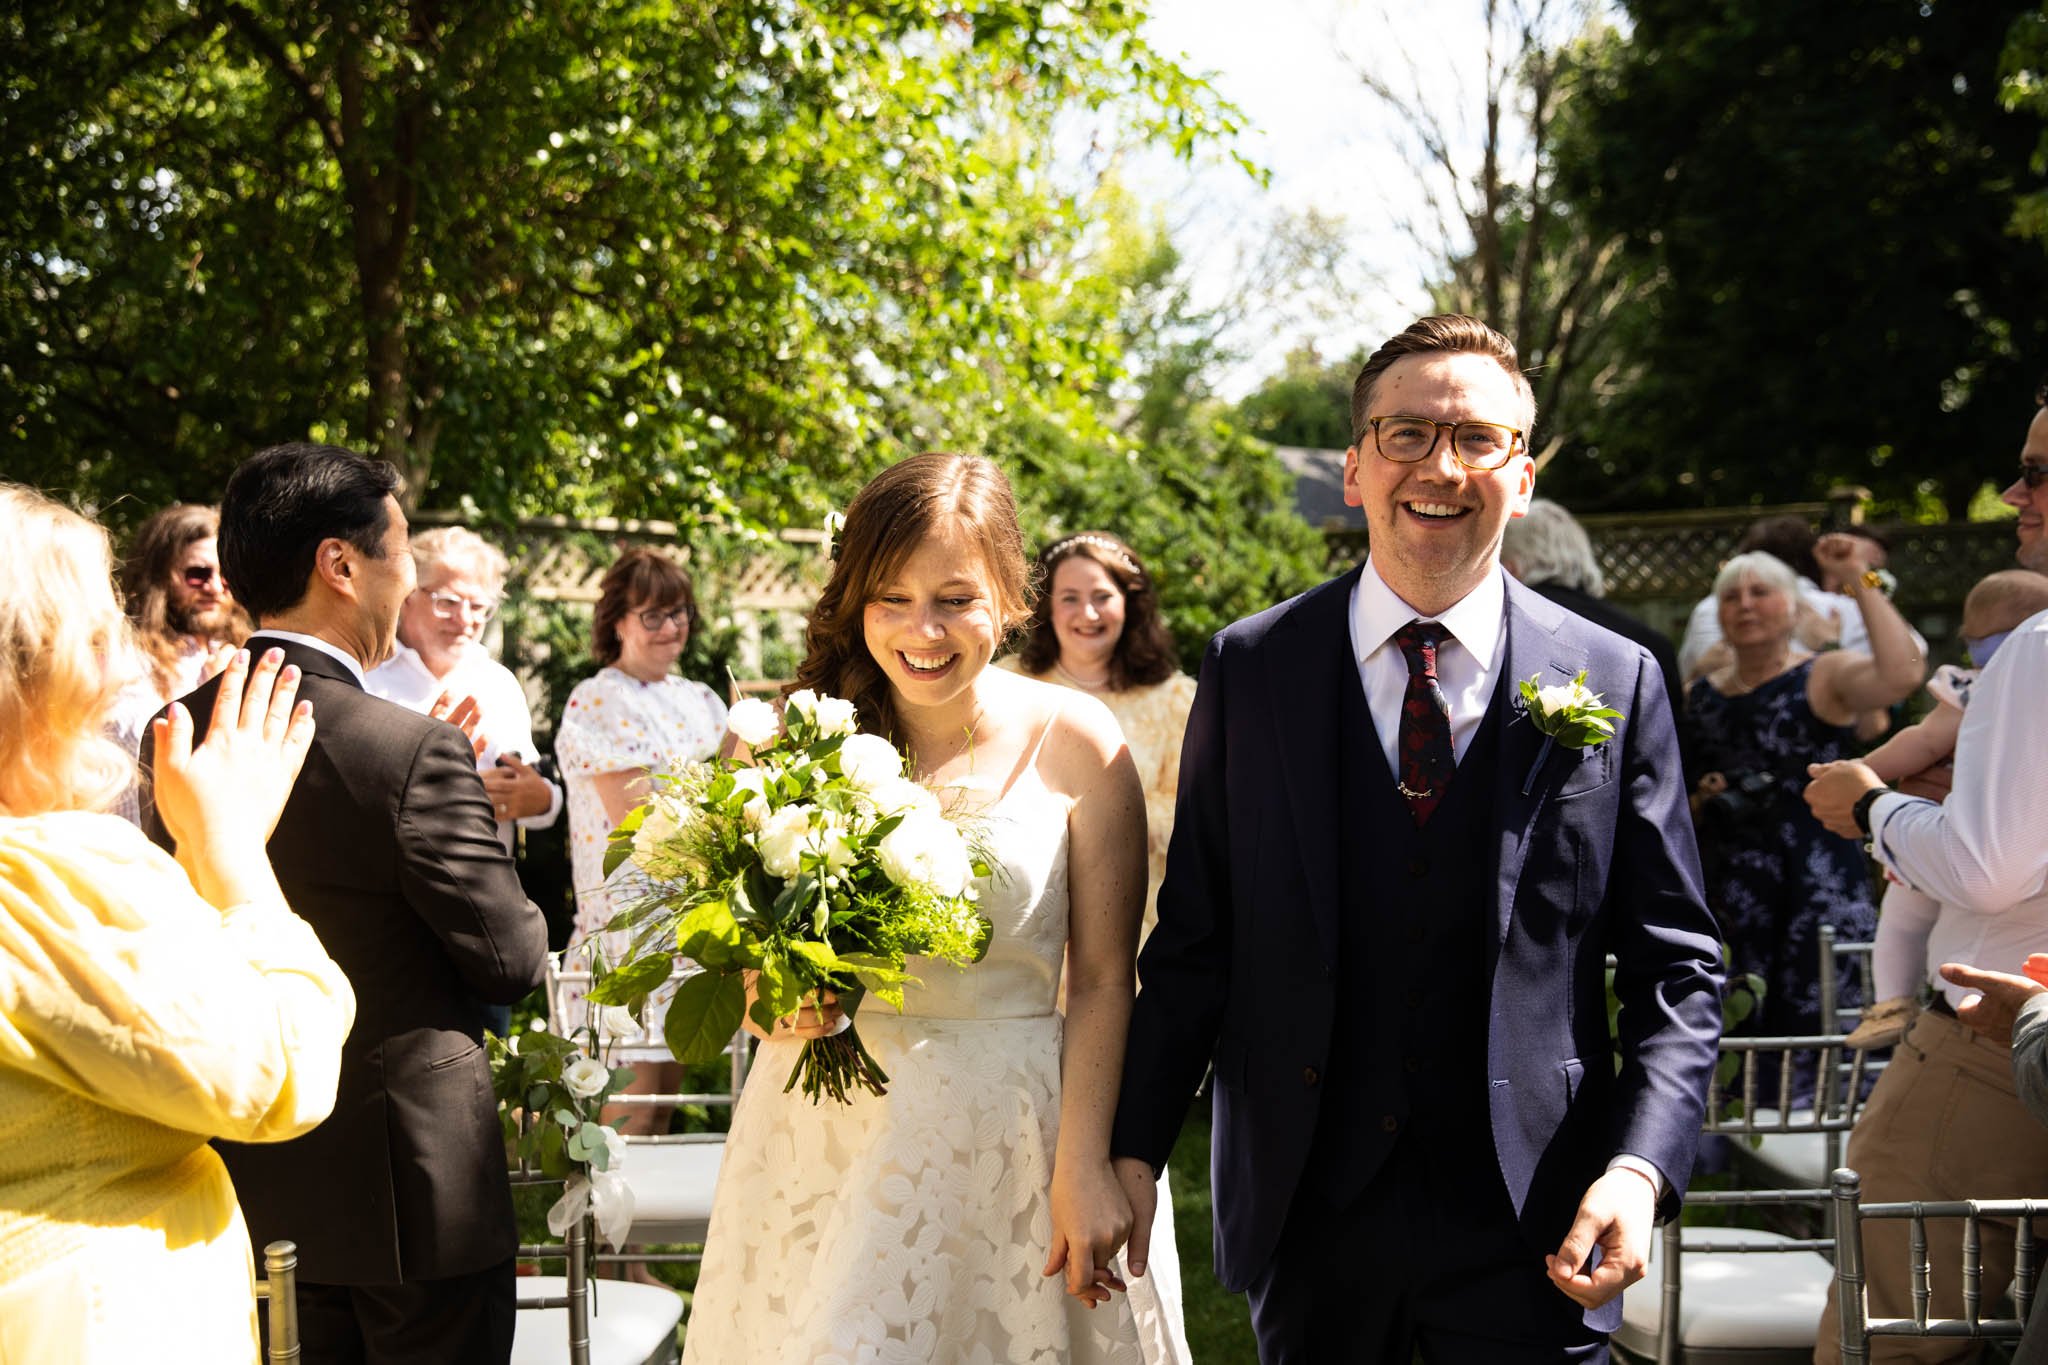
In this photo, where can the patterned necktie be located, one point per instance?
(1427, 760)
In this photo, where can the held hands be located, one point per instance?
(1992, 1011)
(1091, 1220)
(1142, 1190)
(515, 789)
(1616, 1216)
(234, 784)
(1833, 792)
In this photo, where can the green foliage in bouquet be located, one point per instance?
(815, 865)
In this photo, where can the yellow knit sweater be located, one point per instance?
(136, 1022)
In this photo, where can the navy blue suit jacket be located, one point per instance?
(1593, 853)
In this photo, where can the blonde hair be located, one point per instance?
(458, 546)
(60, 633)
(2006, 598)
(1764, 568)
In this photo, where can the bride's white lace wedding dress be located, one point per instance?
(913, 1226)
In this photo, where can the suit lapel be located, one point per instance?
(1311, 663)
(1533, 646)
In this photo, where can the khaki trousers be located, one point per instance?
(1942, 1123)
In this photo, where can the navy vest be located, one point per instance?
(1416, 912)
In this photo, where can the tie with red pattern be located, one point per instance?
(1427, 760)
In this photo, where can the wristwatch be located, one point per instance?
(1860, 812)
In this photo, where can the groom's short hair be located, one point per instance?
(1448, 333)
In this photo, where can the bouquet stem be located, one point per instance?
(834, 1065)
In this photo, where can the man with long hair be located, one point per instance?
(180, 604)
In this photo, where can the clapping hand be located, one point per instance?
(464, 714)
(1091, 1220)
(221, 798)
(515, 789)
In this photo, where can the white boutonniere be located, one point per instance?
(1570, 714)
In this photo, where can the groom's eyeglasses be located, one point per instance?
(1475, 445)
(2033, 475)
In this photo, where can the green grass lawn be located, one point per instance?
(1219, 1322)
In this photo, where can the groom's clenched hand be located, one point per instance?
(1616, 1216)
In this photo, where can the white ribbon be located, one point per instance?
(604, 1192)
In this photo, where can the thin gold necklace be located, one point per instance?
(1784, 662)
(1100, 685)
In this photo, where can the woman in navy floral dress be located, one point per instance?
(1774, 875)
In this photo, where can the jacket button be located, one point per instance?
(1417, 933)
(1418, 867)
(1391, 1124)
(1415, 998)
(1411, 1065)
(1309, 1076)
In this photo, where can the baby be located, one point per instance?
(1899, 959)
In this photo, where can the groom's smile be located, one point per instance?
(1435, 521)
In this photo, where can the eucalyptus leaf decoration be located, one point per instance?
(1569, 714)
(814, 865)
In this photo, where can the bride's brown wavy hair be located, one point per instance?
(898, 508)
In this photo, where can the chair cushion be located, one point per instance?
(672, 1188)
(1794, 1160)
(1731, 1299)
(630, 1324)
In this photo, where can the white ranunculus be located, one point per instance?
(901, 794)
(1562, 697)
(752, 721)
(585, 1076)
(804, 702)
(868, 761)
(783, 837)
(926, 850)
(837, 716)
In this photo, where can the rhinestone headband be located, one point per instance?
(1103, 543)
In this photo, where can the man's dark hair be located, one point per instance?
(282, 503)
(1788, 536)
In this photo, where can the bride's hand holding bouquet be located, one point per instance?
(801, 879)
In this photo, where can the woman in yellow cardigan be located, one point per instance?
(146, 1004)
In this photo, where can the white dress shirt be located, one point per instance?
(332, 651)
(505, 720)
(1983, 853)
(1467, 665)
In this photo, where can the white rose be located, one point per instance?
(585, 1076)
(615, 1021)
(783, 838)
(925, 850)
(900, 795)
(837, 716)
(1563, 697)
(657, 827)
(752, 722)
(868, 761)
(804, 702)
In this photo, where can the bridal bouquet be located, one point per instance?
(815, 865)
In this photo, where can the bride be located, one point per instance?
(970, 1214)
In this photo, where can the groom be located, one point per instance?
(1386, 911)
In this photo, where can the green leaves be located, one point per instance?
(704, 1015)
(632, 983)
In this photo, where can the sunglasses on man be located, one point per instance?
(2033, 475)
(199, 575)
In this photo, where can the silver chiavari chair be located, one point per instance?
(1857, 1328)
(278, 1292)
